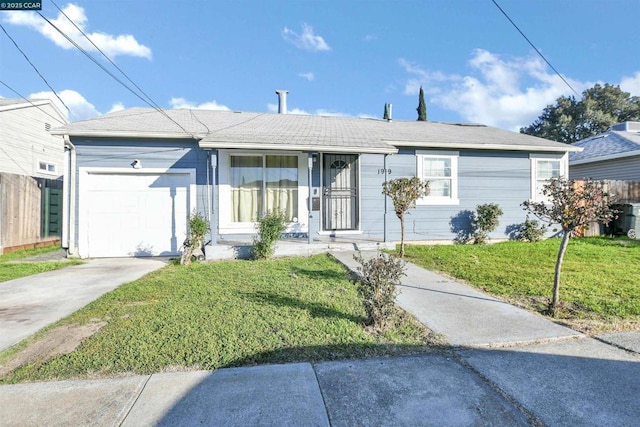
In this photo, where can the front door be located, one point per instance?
(340, 192)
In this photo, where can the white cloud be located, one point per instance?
(631, 84)
(370, 37)
(118, 106)
(506, 93)
(309, 76)
(307, 40)
(80, 108)
(111, 45)
(211, 105)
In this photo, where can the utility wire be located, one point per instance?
(95, 61)
(535, 48)
(151, 101)
(36, 69)
(57, 119)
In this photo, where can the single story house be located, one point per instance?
(31, 170)
(612, 155)
(137, 174)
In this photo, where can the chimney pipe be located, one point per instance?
(282, 101)
(390, 112)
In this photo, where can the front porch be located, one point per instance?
(241, 249)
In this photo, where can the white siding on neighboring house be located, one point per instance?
(26, 146)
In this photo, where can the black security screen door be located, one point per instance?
(340, 192)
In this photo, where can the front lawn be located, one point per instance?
(10, 270)
(215, 315)
(600, 282)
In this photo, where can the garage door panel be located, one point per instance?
(137, 214)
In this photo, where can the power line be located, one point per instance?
(36, 69)
(535, 48)
(57, 119)
(95, 61)
(107, 57)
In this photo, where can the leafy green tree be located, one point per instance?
(386, 112)
(572, 205)
(404, 192)
(422, 107)
(570, 120)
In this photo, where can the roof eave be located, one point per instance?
(125, 134)
(480, 146)
(605, 158)
(296, 147)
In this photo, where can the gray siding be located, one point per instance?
(164, 154)
(483, 177)
(619, 169)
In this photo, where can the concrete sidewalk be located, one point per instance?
(509, 367)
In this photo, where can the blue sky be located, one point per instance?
(335, 57)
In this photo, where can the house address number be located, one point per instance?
(382, 171)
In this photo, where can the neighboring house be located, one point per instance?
(31, 170)
(139, 173)
(614, 156)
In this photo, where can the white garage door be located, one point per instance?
(135, 213)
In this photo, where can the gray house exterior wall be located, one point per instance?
(627, 168)
(484, 176)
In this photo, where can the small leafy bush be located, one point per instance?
(270, 228)
(532, 231)
(484, 221)
(198, 228)
(377, 287)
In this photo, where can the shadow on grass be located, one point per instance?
(331, 352)
(314, 309)
(320, 274)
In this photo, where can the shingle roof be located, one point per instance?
(607, 145)
(17, 102)
(218, 129)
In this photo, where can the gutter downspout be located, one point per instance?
(69, 199)
(309, 204)
(213, 224)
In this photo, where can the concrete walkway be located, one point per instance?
(30, 303)
(509, 367)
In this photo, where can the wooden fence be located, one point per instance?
(624, 193)
(30, 211)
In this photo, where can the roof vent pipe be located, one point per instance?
(282, 101)
(390, 112)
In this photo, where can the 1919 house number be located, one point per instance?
(382, 171)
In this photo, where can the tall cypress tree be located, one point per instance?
(422, 107)
(386, 111)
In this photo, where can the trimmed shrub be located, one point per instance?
(198, 228)
(485, 220)
(270, 228)
(377, 283)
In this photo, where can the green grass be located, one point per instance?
(209, 316)
(26, 253)
(15, 271)
(600, 276)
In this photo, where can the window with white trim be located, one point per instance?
(544, 168)
(440, 169)
(47, 167)
(262, 184)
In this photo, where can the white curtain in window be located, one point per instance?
(261, 184)
(246, 188)
(282, 185)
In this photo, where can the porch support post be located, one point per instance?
(309, 204)
(384, 217)
(213, 221)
